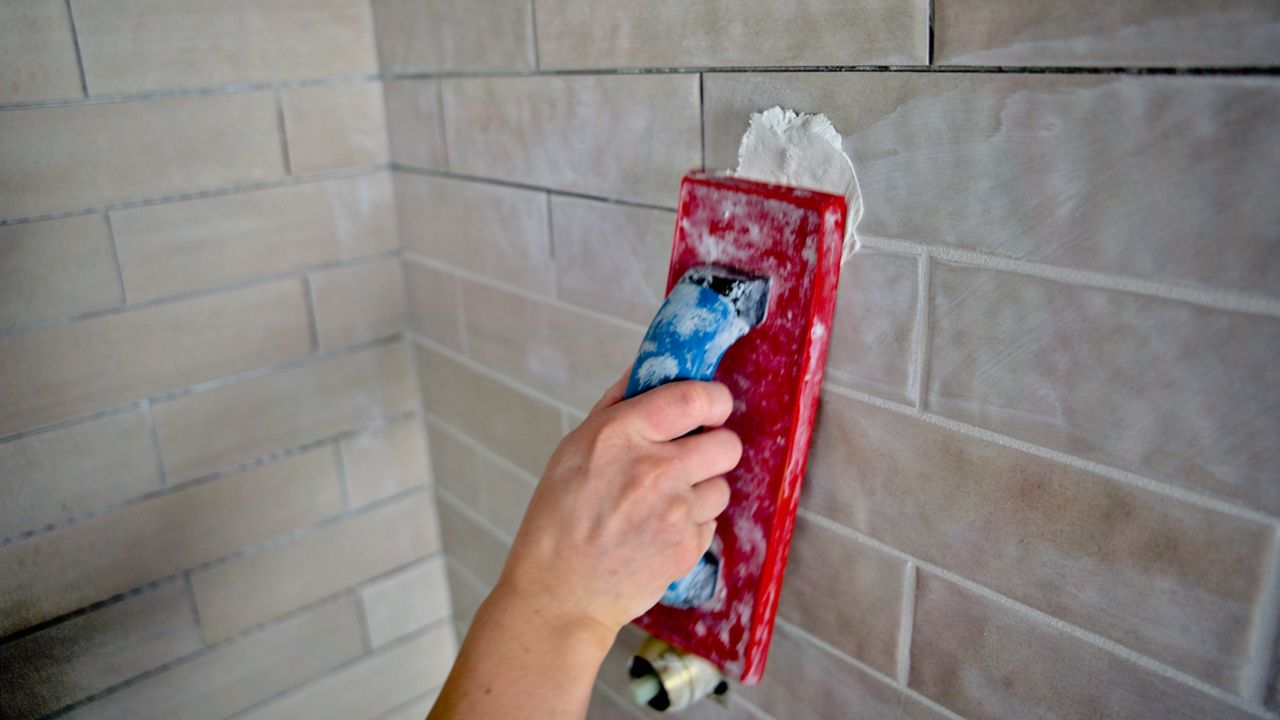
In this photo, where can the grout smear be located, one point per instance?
(784, 147)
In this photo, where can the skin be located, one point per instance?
(626, 505)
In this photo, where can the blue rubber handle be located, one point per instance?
(686, 340)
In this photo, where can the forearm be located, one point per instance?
(523, 661)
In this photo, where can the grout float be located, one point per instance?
(784, 147)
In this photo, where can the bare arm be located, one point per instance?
(626, 505)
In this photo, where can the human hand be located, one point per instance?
(626, 505)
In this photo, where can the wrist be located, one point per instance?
(558, 625)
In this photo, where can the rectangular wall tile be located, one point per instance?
(1131, 381)
(56, 268)
(454, 35)
(71, 370)
(495, 491)
(846, 592)
(142, 45)
(58, 572)
(196, 244)
(518, 427)
(982, 659)
(252, 589)
(66, 158)
(37, 52)
(435, 304)
(1126, 175)
(568, 355)
(220, 428)
(465, 595)
(578, 133)
(80, 469)
(415, 123)
(611, 258)
(871, 335)
(383, 462)
(1171, 580)
(235, 675)
(1199, 33)
(334, 126)
(472, 545)
(491, 230)
(89, 653)
(671, 33)
(358, 303)
(401, 603)
(373, 685)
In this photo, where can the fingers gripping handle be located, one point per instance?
(708, 310)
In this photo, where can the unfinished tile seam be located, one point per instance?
(220, 474)
(190, 590)
(1124, 476)
(313, 326)
(842, 655)
(419, 412)
(198, 91)
(920, 335)
(1045, 619)
(302, 273)
(929, 40)
(1156, 70)
(533, 34)
(1264, 631)
(906, 624)
(149, 417)
(516, 185)
(205, 386)
(282, 128)
(340, 469)
(442, 134)
(235, 189)
(115, 256)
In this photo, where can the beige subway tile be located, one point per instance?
(1130, 381)
(611, 258)
(255, 588)
(1194, 33)
(334, 126)
(566, 354)
(415, 123)
(56, 268)
(219, 428)
(983, 659)
(1156, 177)
(671, 33)
(495, 491)
(358, 303)
(37, 52)
(491, 230)
(411, 599)
(805, 682)
(454, 35)
(71, 370)
(142, 45)
(233, 676)
(435, 304)
(465, 594)
(386, 461)
(846, 592)
(577, 133)
(871, 334)
(372, 686)
(472, 545)
(58, 572)
(1169, 579)
(80, 469)
(89, 653)
(196, 244)
(65, 158)
(520, 428)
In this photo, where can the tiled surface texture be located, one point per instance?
(37, 52)
(334, 126)
(383, 462)
(358, 303)
(454, 35)
(414, 123)
(56, 268)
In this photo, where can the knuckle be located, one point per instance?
(691, 400)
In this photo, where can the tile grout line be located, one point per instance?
(1208, 297)
(1113, 70)
(149, 418)
(295, 274)
(497, 377)
(1041, 617)
(533, 35)
(929, 49)
(833, 650)
(190, 589)
(340, 469)
(237, 189)
(442, 132)
(1124, 476)
(199, 91)
(313, 323)
(1263, 637)
(702, 118)
(115, 258)
(921, 332)
(75, 42)
(283, 128)
(906, 623)
(516, 185)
